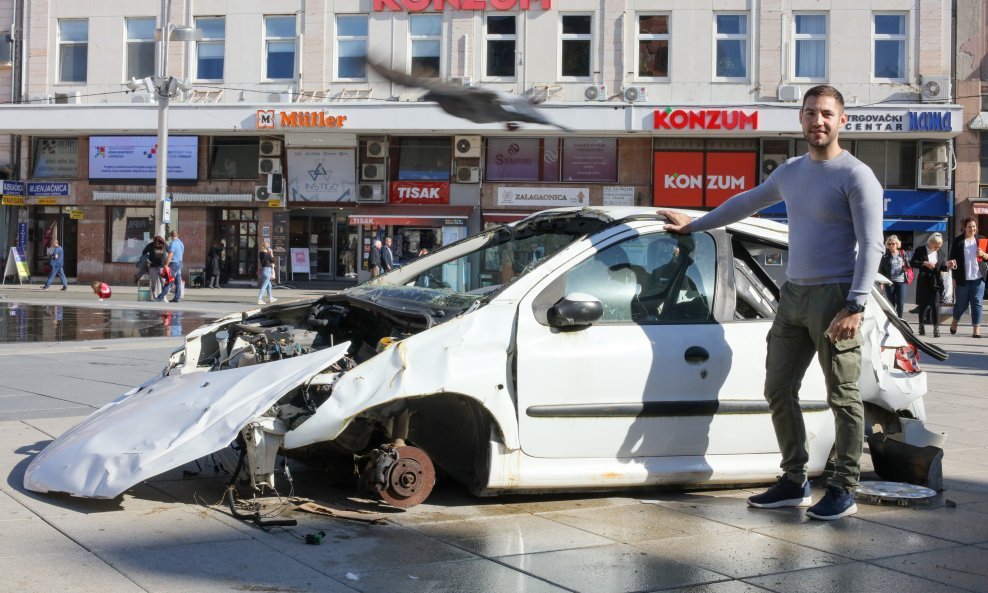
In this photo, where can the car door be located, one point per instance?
(657, 375)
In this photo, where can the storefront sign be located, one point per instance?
(930, 121)
(916, 203)
(76, 214)
(619, 195)
(897, 121)
(728, 173)
(322, 175)
(705, 119)
(543, 196)
(17, 266)
(135, 158)
(12, 188)
(268, 119)
(56, 158)
(22, 235)
(589, 159)
(419, 192)
(420, 5)
(58, 188)
(696, 179)
(513, 159)
(47, 201)
(13, 200)
(980, 209)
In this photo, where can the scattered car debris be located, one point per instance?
(895, 492)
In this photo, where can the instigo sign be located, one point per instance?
(705, 119)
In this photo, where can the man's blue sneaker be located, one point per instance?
(785, 493)
(837, 502)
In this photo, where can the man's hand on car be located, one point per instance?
(678, 222)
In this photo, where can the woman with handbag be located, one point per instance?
(895, 267)
(929, 260)
(968, 256)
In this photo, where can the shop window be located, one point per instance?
(211, 50)
(73, 50)
(351, 46)
(6, 47)
(425, 36)
(810, 45)
(129, 230)
(589, 159)
(140, 48)
(731, 50)
(55, 158)
(422, 159)
(893, 161)
(889, 34)
(576, 44)
(501, 37)
(934, 165)
(279, 45)
(653, 45)
(237, 228)
(522, 159)
(233, 158)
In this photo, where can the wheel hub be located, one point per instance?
(410, 480)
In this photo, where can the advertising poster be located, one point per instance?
(322, 175)
(589, 159)
(510, 159)
(729, 173)
(678, 179)
(56, 158)
(135, 158)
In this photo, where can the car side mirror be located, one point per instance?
(575, 310)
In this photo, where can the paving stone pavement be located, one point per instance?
(169, 534)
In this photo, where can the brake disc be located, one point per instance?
(410, 479)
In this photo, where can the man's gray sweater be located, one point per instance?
(835, 220)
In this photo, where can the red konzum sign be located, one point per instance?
(705, 119)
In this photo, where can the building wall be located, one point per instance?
(970, 76)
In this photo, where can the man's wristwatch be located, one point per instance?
(853, 307)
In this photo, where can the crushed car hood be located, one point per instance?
(165, 424)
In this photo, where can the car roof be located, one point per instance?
(758, 227)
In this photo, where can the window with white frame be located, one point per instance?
(6, 47)
(351, 46)
(934, 165)
(653, 45)
(279, 43)
(73, 50)
(576, 44)
(731, 49)
(810, 46)
(140, 48)
(501, 38)
(889, 33)
(211, 50)
(425, 37)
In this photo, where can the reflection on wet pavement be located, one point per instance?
(59, 323)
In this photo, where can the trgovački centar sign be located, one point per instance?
(705, 119)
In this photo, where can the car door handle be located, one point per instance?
(696, 355)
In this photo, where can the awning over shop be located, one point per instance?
(980, 208)
(177, 197)
(505, 217)
(915, 225)
(411, 215)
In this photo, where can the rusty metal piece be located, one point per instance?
(410, 479)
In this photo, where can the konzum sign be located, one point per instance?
(698, 179)
(705, 119)
(420, 5)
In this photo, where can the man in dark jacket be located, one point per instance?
(387, 258)
(375, 259)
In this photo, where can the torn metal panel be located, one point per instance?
(164, 424)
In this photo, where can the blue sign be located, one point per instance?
(12, 188)
(896, 203)
(54, 188)
(930, 121)
(22, 236)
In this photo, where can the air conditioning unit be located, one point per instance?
(69, 98)
(269, 165)
(790, 93)
(468, 174)
(932, 88)
(284, 96)
(262, 193)
(269, 148)
(466, 147)
(372, 172)
(377, 148)
(370, 192)
(634, 94)
(142, 98)
(595, 92)
(771, 162)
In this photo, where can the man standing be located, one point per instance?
(57, 262)
(173, 261)
(830, 197)
(387, 258)
(375, 259)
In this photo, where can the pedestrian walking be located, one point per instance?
(968, 254)
(895, 267)
(930, 260)
(828, 193)
(387, 257)
(56, 260)
(173, 261)
(214, 262)
(154, 257)
(375, 259)
(265, 266)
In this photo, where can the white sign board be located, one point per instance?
(300, 260)
(619, 195)
(322, 175)
(136, 157)
(546, 197)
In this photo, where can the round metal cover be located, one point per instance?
(899, 492)
(410, 479)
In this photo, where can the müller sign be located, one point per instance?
(420, 5)
(705, 119)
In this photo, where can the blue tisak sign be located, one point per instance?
(55, 188)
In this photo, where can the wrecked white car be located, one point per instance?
(577, 349)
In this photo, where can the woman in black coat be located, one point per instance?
(929, 260)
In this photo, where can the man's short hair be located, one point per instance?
(824, 90)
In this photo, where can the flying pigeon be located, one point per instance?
(476, 104)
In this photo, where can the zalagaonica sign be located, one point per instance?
(705, 119)
(420, 5)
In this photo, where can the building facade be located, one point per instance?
(278, 130)
(972, 86)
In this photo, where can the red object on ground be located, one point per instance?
(104, 291)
